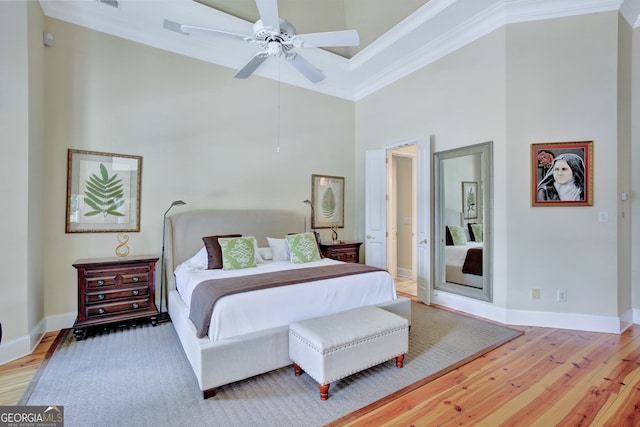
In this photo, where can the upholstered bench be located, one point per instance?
(332, 347)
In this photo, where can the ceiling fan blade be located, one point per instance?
(189, 29)
(268, 10)
(305, 67)
(251, 66)
(327, 39)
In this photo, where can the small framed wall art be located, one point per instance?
(103, 192)
(470, 199)
(327, 196)
(562, 174)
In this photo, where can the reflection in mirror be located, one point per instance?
(463, 219)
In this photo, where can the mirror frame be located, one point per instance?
(485, 150)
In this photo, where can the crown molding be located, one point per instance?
(437, 29)
(492, 17)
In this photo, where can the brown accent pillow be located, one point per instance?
(214, 252)
(449, 238)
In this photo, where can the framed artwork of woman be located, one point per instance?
(562, 174)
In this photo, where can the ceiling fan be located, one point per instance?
(276, 37)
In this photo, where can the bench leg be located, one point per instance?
(324, 391)
(297, 369)
(400, 361)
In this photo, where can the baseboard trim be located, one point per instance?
(24, 345)
(543, 319)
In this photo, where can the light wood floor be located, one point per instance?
(546, 377)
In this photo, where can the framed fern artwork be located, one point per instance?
(103, 192)
(327, 195)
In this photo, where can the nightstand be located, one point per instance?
(342, 251)
(114, 290)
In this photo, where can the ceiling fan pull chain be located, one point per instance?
(279, 83)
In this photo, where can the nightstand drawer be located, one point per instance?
(106, 296)
(119, 307)
(343, 255)
(342, 251)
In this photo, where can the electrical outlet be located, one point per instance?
(535, 293)
(562, 295)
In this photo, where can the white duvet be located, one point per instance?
(248, 312)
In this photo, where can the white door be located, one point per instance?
(392, 215)
(376, 208)
(376, 213)
(423, 220)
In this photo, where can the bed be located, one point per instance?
(238, 346)
(463, 254)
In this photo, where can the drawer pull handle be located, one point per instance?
(101, 310)
(135, 279)
(135, 305)
(101, 296)
(100, 282)
(135, 292)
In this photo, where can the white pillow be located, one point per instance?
(256, 251)
(279, 249)
(265, 254)
(200, 261)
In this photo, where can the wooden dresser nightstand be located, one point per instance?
(114, 290)
(342, 251)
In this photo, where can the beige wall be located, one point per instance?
(562, 86)
(205, 138)
(460, 100)
(542, 81)
(17, 282)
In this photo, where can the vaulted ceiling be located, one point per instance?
(397, 37)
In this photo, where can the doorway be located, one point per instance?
(402, 213)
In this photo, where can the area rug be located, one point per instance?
(140, 376)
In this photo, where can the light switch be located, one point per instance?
(603, 216)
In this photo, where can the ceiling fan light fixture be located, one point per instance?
(277, 36)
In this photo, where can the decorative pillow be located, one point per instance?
(238, 252)
(303, 248)
(197, 262)
(279, 249)
(213, 250)
(458, 235)
(449, 239)
(475, 230)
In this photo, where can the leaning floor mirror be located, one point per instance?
(463, 221)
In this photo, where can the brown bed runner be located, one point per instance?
(206, 293)
(473, 262)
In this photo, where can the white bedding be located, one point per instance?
(247, 312)
(454, 260)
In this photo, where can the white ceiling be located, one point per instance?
(397, 36)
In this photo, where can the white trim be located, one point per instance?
(22, 346)
(14, 349)
(542, 319)
(424, 14)
(470, 306)
(405, 273)
(435, 30)
(575, 321)
(57, 322)
(26, 344)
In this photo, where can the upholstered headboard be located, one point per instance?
(452, 217)
(185, 231)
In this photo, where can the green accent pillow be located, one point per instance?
(457, 234)
(476, 232)
(238, 252)
(303, 248)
